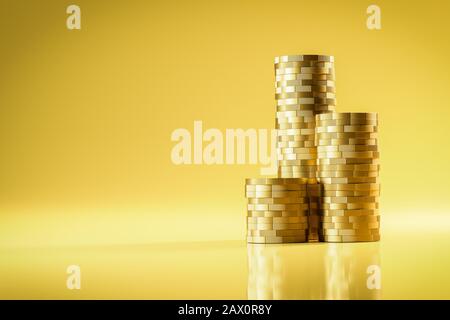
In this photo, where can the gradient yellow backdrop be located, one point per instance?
(86, 115)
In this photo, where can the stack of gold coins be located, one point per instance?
(304, 87)
(348, 166)
(277, 210)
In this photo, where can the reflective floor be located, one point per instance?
(401, 266)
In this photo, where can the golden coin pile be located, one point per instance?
(304, 87)
(328, 166)
(277, 210)
(348, 166)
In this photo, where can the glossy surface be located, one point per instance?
(413, 266)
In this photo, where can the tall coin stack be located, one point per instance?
(277, 210)
(304, 87)
(348, 166)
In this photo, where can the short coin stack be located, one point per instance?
(277, 210)
(304, 87)
(348, 166)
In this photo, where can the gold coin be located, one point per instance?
(350, 193)
(305, 131)
(272, 181)
(275, 194)
(294, 138)
(349, 206)
(349, 167)
(298, 150)
(275, 189)
(301, 102)
(293, 64)
(351, 238)
(348, 213)
(350, 232)
(300, 213)
(277, 220)
(276, 207)
(291, 125)
(295, 101)
(351, 187)
(295, 135)
(304, 70)
(349, 180)
(353, 226)
(277, 226)
(343, 122)
(338, 142)
(360, 238)
(305, 82)
(295, 200)
(350, 219)
(298, 175)
(290, 117)
(346, 174)
(347, 115)
(271, 195)
(297, 157)
(276, 233)
(349, 199)
(298, 64)
(346, 135)
(308, 131)
(348, 161)
(312, 94)
(309, 177)
(346, 148)
(298, 162)
(304, 88)
(302, 112)
(318, 107)
(304, 76)
(349, 154)
(266, 240)
(311, 163)
(305, 169)
(294, 120)
(298, 168)
(310, 173)
(343, 128)
(295, 144)
(293, 95)
(304, 57)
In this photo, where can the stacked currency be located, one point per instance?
(277, 210)
(304, 87)
(348, 166)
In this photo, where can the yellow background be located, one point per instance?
(86, 115)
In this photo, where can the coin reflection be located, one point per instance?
(350, 268)
(313, 271)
